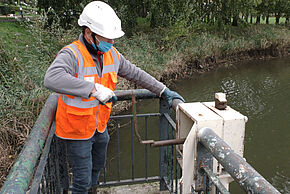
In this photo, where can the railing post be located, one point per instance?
(63, 174)
(204, 159)
(163, 160)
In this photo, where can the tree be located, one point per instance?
(168, 13)
(280, 9)
(65, 11)
(265, 8)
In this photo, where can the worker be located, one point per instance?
(21, 12)
(84, 74)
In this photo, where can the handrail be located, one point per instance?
(175, 103)
(22, 171)
(142, 93)
(243, 173)
(20, 175)
(138, 93)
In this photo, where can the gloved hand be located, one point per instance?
(104, 94)
(170, 95)
(114, 99)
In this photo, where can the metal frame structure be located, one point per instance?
(43, 168)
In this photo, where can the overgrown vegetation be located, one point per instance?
(26, 50)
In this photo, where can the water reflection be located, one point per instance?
(281, 181)
(250, 94)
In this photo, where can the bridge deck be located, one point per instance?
(151, 188)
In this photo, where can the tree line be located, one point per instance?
(166, 13)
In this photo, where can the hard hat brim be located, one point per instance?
(113, 35)
(110, 35)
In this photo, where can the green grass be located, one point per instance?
(15, 37)
(15, 41)
(16, 7)
(25, 54)
(22, 66)
(26, 51)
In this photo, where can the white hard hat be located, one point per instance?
(101, 19)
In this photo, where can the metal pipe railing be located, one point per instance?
(138, 93)
(38, 176)
(175, 103)
(22, 171)
(243, 173)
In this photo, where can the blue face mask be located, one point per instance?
(104, 46)
(93, 44)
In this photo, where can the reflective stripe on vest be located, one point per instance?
(78, 118)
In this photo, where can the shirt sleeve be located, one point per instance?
(60, 76)
(130, 72)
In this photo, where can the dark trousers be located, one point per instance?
(87, 158)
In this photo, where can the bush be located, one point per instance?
(26, 51)
(5, 10)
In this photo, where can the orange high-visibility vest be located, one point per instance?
(78, 118)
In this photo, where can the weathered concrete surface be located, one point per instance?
(151, 188)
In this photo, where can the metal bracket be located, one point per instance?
(152, 143)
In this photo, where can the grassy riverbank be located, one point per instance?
(26, 52)
(171, 53)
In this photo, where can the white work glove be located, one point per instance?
(103, 94)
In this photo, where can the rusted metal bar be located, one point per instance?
(135, 125)
(163, 142)
(167, 142)
(22, 171)
(152, 142)
(134, 112)
(244, 174)
(138, 115)
(130, 181)
(138, 93)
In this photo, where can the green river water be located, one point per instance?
(258, 89)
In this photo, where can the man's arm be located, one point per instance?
(60, 76)
(140, 77)
(132, 73)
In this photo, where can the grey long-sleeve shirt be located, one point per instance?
(60, 75)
